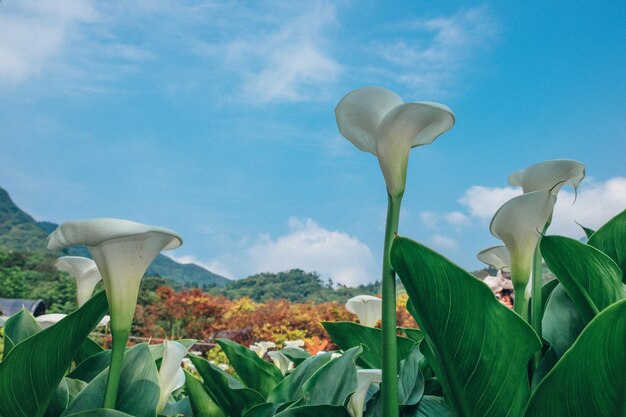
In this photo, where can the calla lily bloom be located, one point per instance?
(84, 271)
(281, 361)
(294, 344)
(376, 120)
(549, 175)
(365, 378)
(261, 348)
(519, 223)
(122, 250)
(368, 308)
(47, 320)
(171, 375)
(497, 257)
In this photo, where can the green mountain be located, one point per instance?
(21, 233)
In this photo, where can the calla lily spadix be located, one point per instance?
(84, 271)
(376, 120)
(171, 375)
(365, 378)
(549, 175)
(496, 256)
(519, 223)
(367, 307)
(122, 250)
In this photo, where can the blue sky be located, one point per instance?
(216, 119)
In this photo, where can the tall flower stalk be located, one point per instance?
(122, 250)
(376, 120)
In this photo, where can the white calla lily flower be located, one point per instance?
(549, 175)
(84, 271)
(171, 375)
(294, 344)
(367, 307)
(261, 348)
(365, 378)
(519, 223)
(376, 120)
(281, 361)
(47, 320)
(497, 257)
(122, 250)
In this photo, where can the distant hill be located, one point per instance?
(295, 285)
(20, 232)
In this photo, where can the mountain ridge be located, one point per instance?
(21, 232)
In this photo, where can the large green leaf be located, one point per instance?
(611, 239)
(139, 390)
(295, 355)
(315, 411)
(290, 388)
(91, 367)
(201, 402)
(562, 323)
(333, 382)
(256, 373)
(87, 350)
(429, 406)
(411, 380)
(262, 410)
(32, 371)
(19, 327)
(589, 379)
(227, 392)
(592, 279)
(60, 400)
(478, 348)
(100, 412)
(346, 335)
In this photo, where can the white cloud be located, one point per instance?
(437, 48)
(34, 32)
(456, 218)
(311, 247)
(430, 219)
(213, 265)
(443, 242)
(483, 202)
(285, 57)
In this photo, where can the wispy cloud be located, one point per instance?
(34, 33)
(429, 54)
(284, 54)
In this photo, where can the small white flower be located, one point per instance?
(84, 271)
(260, 348)
(171, 375)
(367, 307)
(496, 256)
(365, 378)
(294, 344)
(281, 361)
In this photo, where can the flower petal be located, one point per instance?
(368, 308)
(365, 378)
(404, 127)
(518, 223)
(93, 232)
(170, 371)
(549, 175)
(496, 256)
(360, 112)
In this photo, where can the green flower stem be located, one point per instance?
(390, 350)
(115, 369)
(536, 312)
(521, 300)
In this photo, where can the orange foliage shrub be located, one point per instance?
(203, 316)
